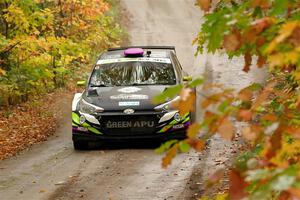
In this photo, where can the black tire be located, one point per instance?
(80, 145)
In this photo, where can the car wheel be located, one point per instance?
(80, 145)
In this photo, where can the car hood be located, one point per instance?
(120, 98)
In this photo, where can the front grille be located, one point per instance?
(129, 124)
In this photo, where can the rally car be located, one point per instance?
(117, 101)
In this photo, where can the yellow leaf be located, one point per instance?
(2, 72)
(275, 60)
(285, 31)
(193, 130)
(283, 59)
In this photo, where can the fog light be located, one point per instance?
(82, 119)
(177, 117)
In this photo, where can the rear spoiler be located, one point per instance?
(172, 48)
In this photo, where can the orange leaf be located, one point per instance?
(263, 96)
(248, 61)
(295, 38)
(233, 41)
(260, 61)
(245, 94)
(186, 102)
(226, 129)
(193, 130)
(213, 99)
(204, 4)
(269, 117)
(295, 192)
(284, 196)
(260, 3)
(294, 131)
(274, 144)
(169, 157)
(245, 115)
(198, 145)
(249, 134)
(237, 186)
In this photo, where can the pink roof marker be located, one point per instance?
(133, 52)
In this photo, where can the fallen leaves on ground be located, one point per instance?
(29, 123)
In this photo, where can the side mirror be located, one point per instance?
(187, 78)
(81, 83)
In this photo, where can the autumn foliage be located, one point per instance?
(45, 43)
(267, 34)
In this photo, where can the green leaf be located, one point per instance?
(196, 82)
(169, 93)
(255, 87)
(279, 7)
(184, 147)
(165, 146)
(222, 107)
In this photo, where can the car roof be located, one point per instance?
(156, 52)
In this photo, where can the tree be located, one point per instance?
(270, 31)
(44, 42)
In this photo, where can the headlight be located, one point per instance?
(85, 107)
(166, 106)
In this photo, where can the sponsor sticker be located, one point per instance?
(129, 96)
(129, 103)
(116, 60)
(130, 124)
(129, 89)
(178, 126)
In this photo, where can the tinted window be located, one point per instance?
(133, 73)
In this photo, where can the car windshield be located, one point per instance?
(133, 73)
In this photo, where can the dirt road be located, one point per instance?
(53, 170)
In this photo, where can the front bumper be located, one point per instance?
(93, 128)
(90, 137)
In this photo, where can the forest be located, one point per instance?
(46, 44)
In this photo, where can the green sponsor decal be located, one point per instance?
(92, 129)
(75, 118)
(183, 120)
(76, 122)
(165, 128)
(187, 119)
